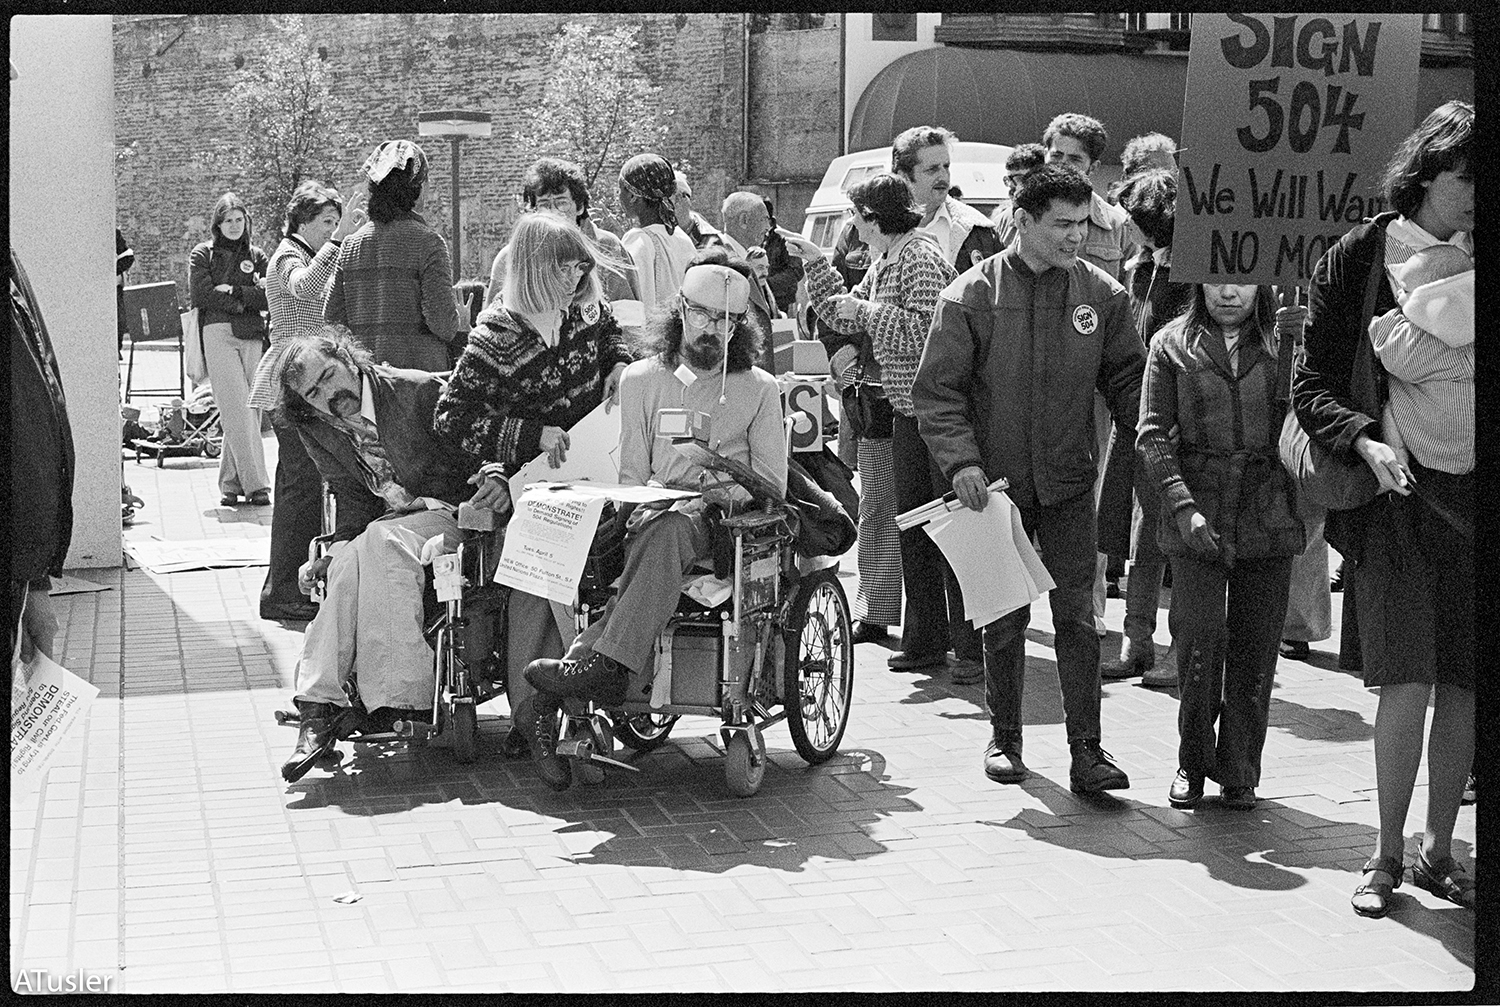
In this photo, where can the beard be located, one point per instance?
(704, 353)
(343, 404)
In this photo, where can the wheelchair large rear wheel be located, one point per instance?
(645, 732)
(819, 667)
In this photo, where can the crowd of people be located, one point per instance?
(1134, 417)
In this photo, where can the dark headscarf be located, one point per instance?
(651, 178)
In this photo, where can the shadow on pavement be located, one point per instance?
(676, 812)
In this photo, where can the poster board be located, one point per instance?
(1288, 123)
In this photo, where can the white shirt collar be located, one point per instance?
(366, 400)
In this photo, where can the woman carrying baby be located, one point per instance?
(1412, 547)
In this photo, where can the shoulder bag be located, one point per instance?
(1323, 478)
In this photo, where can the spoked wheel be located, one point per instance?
(744, 766)
(819, 668)
(645, 732)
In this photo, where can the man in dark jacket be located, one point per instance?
(1005, 388)
(41, 473)
(368, 429)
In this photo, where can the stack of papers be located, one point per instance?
(989, 552)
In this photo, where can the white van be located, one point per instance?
(978, 170)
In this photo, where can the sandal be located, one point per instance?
(1392, 868)
(1446, 879)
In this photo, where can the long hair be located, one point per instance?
(223, 206)
(1443, 141)
(334, 341)
(534, 278)
(1150, 198)
(662, 336)
(1262, 318)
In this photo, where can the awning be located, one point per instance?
(1007, 96)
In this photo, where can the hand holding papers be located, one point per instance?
(989, 551)
(593, 455)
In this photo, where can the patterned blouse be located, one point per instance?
(508, 383)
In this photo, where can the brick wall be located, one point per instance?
(386, 68)
(794, 116)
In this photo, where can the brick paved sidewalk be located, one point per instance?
(164, 851)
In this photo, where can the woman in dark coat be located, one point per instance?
(1227, 523)
(1412, 564)
(227, 278)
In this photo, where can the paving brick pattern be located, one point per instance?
(164, 850)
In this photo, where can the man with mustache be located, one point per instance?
(368, 429)
(1019, 345)
(704, 363)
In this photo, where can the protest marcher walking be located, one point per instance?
(1227, 522)
(1005, 389)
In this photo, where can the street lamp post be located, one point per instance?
(455, 124)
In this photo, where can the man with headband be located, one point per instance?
(368, 429)
(657, 245)
(703, 364)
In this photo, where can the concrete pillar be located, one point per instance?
(62, 219)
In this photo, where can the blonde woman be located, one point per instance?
(543, 355)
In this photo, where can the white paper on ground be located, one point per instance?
(992, 558)
(65, 584)
(593, 454)
(55, 702)
(203, 554)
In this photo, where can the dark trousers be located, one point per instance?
(934, 613)
(1065, 532)
(296, 519)
(1226, 660)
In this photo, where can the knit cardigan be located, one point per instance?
(509, 384)
(898, 312)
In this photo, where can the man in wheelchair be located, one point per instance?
(702, 376)
(368, 428)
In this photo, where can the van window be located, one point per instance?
(825, 228)
(859, 173)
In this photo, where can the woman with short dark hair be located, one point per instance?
(893, 307)
(392, 281)
(317, 221)
(227, 276)
(1411, 553)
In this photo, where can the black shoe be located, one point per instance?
(1240, 798)
(1092, 771)
(551, 767)
(1002, 762)
(596, 677)
(905, 661)
(260, 498)
(229, 500)
(314, 739)
(1295, 650)
(516, 745)
(1137, 662)
(297, 611)
(1186, 792)
(870, 632)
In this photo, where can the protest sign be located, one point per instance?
(547, 542)
(55, 701)
(1288, 123)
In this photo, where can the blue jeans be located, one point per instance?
(1065, 532)
(1226, 661)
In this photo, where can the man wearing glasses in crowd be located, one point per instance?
(703, 364)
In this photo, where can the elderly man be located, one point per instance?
(746, 224)
(703, 363)
(1005, 388)
(368, 428)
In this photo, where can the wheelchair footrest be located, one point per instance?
(409, 729)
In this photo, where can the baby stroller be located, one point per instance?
(187, 428)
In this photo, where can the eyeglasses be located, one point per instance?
(704, 318)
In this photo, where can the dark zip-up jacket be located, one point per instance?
(237, 264)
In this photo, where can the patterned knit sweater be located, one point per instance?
(509, 384)
(902, 287)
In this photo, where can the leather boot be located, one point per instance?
(314, 739)
(551, 767)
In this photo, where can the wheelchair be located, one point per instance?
(778, 649)
(467, 636)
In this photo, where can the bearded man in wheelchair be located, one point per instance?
(368, 428)
(701, 377)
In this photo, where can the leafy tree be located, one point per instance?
(287, 128)
(598, 106)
